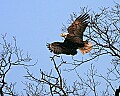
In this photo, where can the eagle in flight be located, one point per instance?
(73, 39)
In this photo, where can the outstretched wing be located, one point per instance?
(55, 47)
(59, 48)
(78, 26)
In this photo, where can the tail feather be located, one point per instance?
(87, 48)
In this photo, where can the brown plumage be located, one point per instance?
(73, 39)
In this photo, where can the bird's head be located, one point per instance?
(64, 35)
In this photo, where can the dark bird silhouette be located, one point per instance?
(73, 39)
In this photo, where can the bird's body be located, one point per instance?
(73, 39)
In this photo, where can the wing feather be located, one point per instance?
(55, 47)
(79, 25)
(59, 48)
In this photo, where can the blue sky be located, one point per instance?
(37, 22)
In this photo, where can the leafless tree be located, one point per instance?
(104, 32)
(10, 56)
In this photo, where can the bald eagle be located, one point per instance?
(73, 39)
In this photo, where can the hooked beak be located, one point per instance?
(64, 35)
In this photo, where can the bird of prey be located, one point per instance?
(73, 39)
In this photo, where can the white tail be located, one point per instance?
(87, 48)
